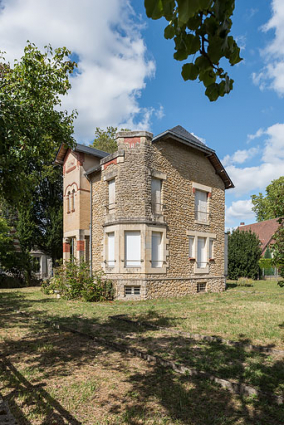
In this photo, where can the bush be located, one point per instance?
(72, 280)
(243, 255)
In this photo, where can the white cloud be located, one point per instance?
(272, 75)
(239, 211)
(259, 133)
(106, 36)
(239, 157)
(271, 166)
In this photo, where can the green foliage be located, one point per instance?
(243, 255)
(267, 253)
(72, 280)
(200, 29)
(278, 248)
(31, 123)
(272, 204)
(105, 139)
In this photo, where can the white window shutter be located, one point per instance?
(111, 193)
(157, 249)
(132, 249)
(201, 253)
(156, 188)
(110, 250)
(201, 205)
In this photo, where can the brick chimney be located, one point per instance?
(242, 223)
(132, 139)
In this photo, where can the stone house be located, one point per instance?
(150, 215)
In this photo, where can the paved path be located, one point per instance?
(6, 417)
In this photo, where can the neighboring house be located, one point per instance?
(264, 230)
(43, 262)
(156, 213)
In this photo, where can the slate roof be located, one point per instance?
(264, 230)
(79, 148)
(179, 134)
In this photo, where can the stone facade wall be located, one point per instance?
(182, 167)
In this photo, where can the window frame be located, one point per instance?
(207, 236)
(127, 261)
(200, 188)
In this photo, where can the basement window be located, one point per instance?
(201, 287)
(132, 290)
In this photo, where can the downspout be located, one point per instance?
(91, 227)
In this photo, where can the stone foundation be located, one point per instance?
(127, 289)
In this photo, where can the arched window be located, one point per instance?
(68, 202)
(73, 200)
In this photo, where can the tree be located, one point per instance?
(278, 250)
(31, 124)
(243, 254)
(272, 204)
(201, 30)
(105, 139)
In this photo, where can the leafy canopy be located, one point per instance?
(272, 204)
(105, 139)
(31, 122)
(243, 254)
(201, 31)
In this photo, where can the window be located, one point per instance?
(157, 249)
(72, 249)
(132, 249)
(191, 253)
(156, 191)
(68, 202)
(37, 264)
(201, 287)
(201, 253)
(110, 250)
(87, 249)
(211, 249)
(111, 194)
(131, 290)
(201, 212)
(73, 200)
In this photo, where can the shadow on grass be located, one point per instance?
(157, 395)
(39, 400)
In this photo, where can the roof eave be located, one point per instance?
(211, 154)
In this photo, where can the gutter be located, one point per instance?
(91, 224)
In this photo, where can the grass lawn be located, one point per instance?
(56, 377)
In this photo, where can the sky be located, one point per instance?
(127, 78)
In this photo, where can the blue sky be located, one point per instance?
(128, 78)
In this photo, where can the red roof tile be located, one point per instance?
(264, 230)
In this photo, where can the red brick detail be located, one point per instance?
(193, 190)
(80, 245)
(66, 247)
(63, 170)
(71, 169)
(114, 161)
(209, 194)
(132, 142)
(80, 157)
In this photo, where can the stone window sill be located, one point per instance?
(206, 223)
